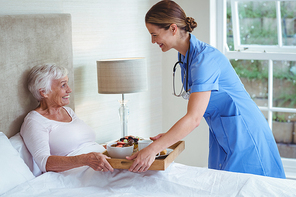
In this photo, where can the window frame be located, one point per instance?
(221, 41)
(254, 47)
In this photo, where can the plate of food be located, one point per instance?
(164, 153)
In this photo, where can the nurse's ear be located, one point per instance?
(173, 28)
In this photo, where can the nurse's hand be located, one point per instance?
(143, 160)
(157, 137)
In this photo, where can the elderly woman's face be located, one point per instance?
(59, 95)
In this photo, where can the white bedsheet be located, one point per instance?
(177, 180)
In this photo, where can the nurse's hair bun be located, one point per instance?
(190, 24)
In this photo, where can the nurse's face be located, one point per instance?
(164, 38)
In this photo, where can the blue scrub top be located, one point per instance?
(240, 137)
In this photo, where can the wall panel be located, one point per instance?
(106, 29)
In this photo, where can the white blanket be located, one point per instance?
(177, 180)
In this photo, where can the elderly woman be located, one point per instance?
(57, 139)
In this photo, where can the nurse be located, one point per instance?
(240, 138)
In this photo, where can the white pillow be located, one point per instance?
(18, 143)
(13, 170)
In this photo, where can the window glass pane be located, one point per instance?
(257, 20)
(254, 76)
(284, 84)
(288, 14)
(283, 132)
(229, 28)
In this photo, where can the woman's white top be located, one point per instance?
(44, 137)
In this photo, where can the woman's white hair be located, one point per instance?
(41, 76)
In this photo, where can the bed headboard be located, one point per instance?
(27, 41)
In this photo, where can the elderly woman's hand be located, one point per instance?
(98, 162)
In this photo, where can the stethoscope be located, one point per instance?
(185, 94)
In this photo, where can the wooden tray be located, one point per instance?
(158, 164)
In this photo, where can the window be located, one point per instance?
(263, 25)
(259, 38)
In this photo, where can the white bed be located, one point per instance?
(28, 40)
(177, 180)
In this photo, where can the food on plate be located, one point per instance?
(127, 141)
(122, 144)
(164, 152)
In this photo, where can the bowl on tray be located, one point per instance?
(119, 152)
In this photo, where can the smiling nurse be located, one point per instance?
(240, 138)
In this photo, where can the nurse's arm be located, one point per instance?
(197, 106)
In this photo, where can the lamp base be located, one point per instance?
(123, 115)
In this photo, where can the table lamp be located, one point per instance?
(122, 76)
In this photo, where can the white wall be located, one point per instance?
(114, 29)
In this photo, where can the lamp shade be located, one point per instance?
(121, 76)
